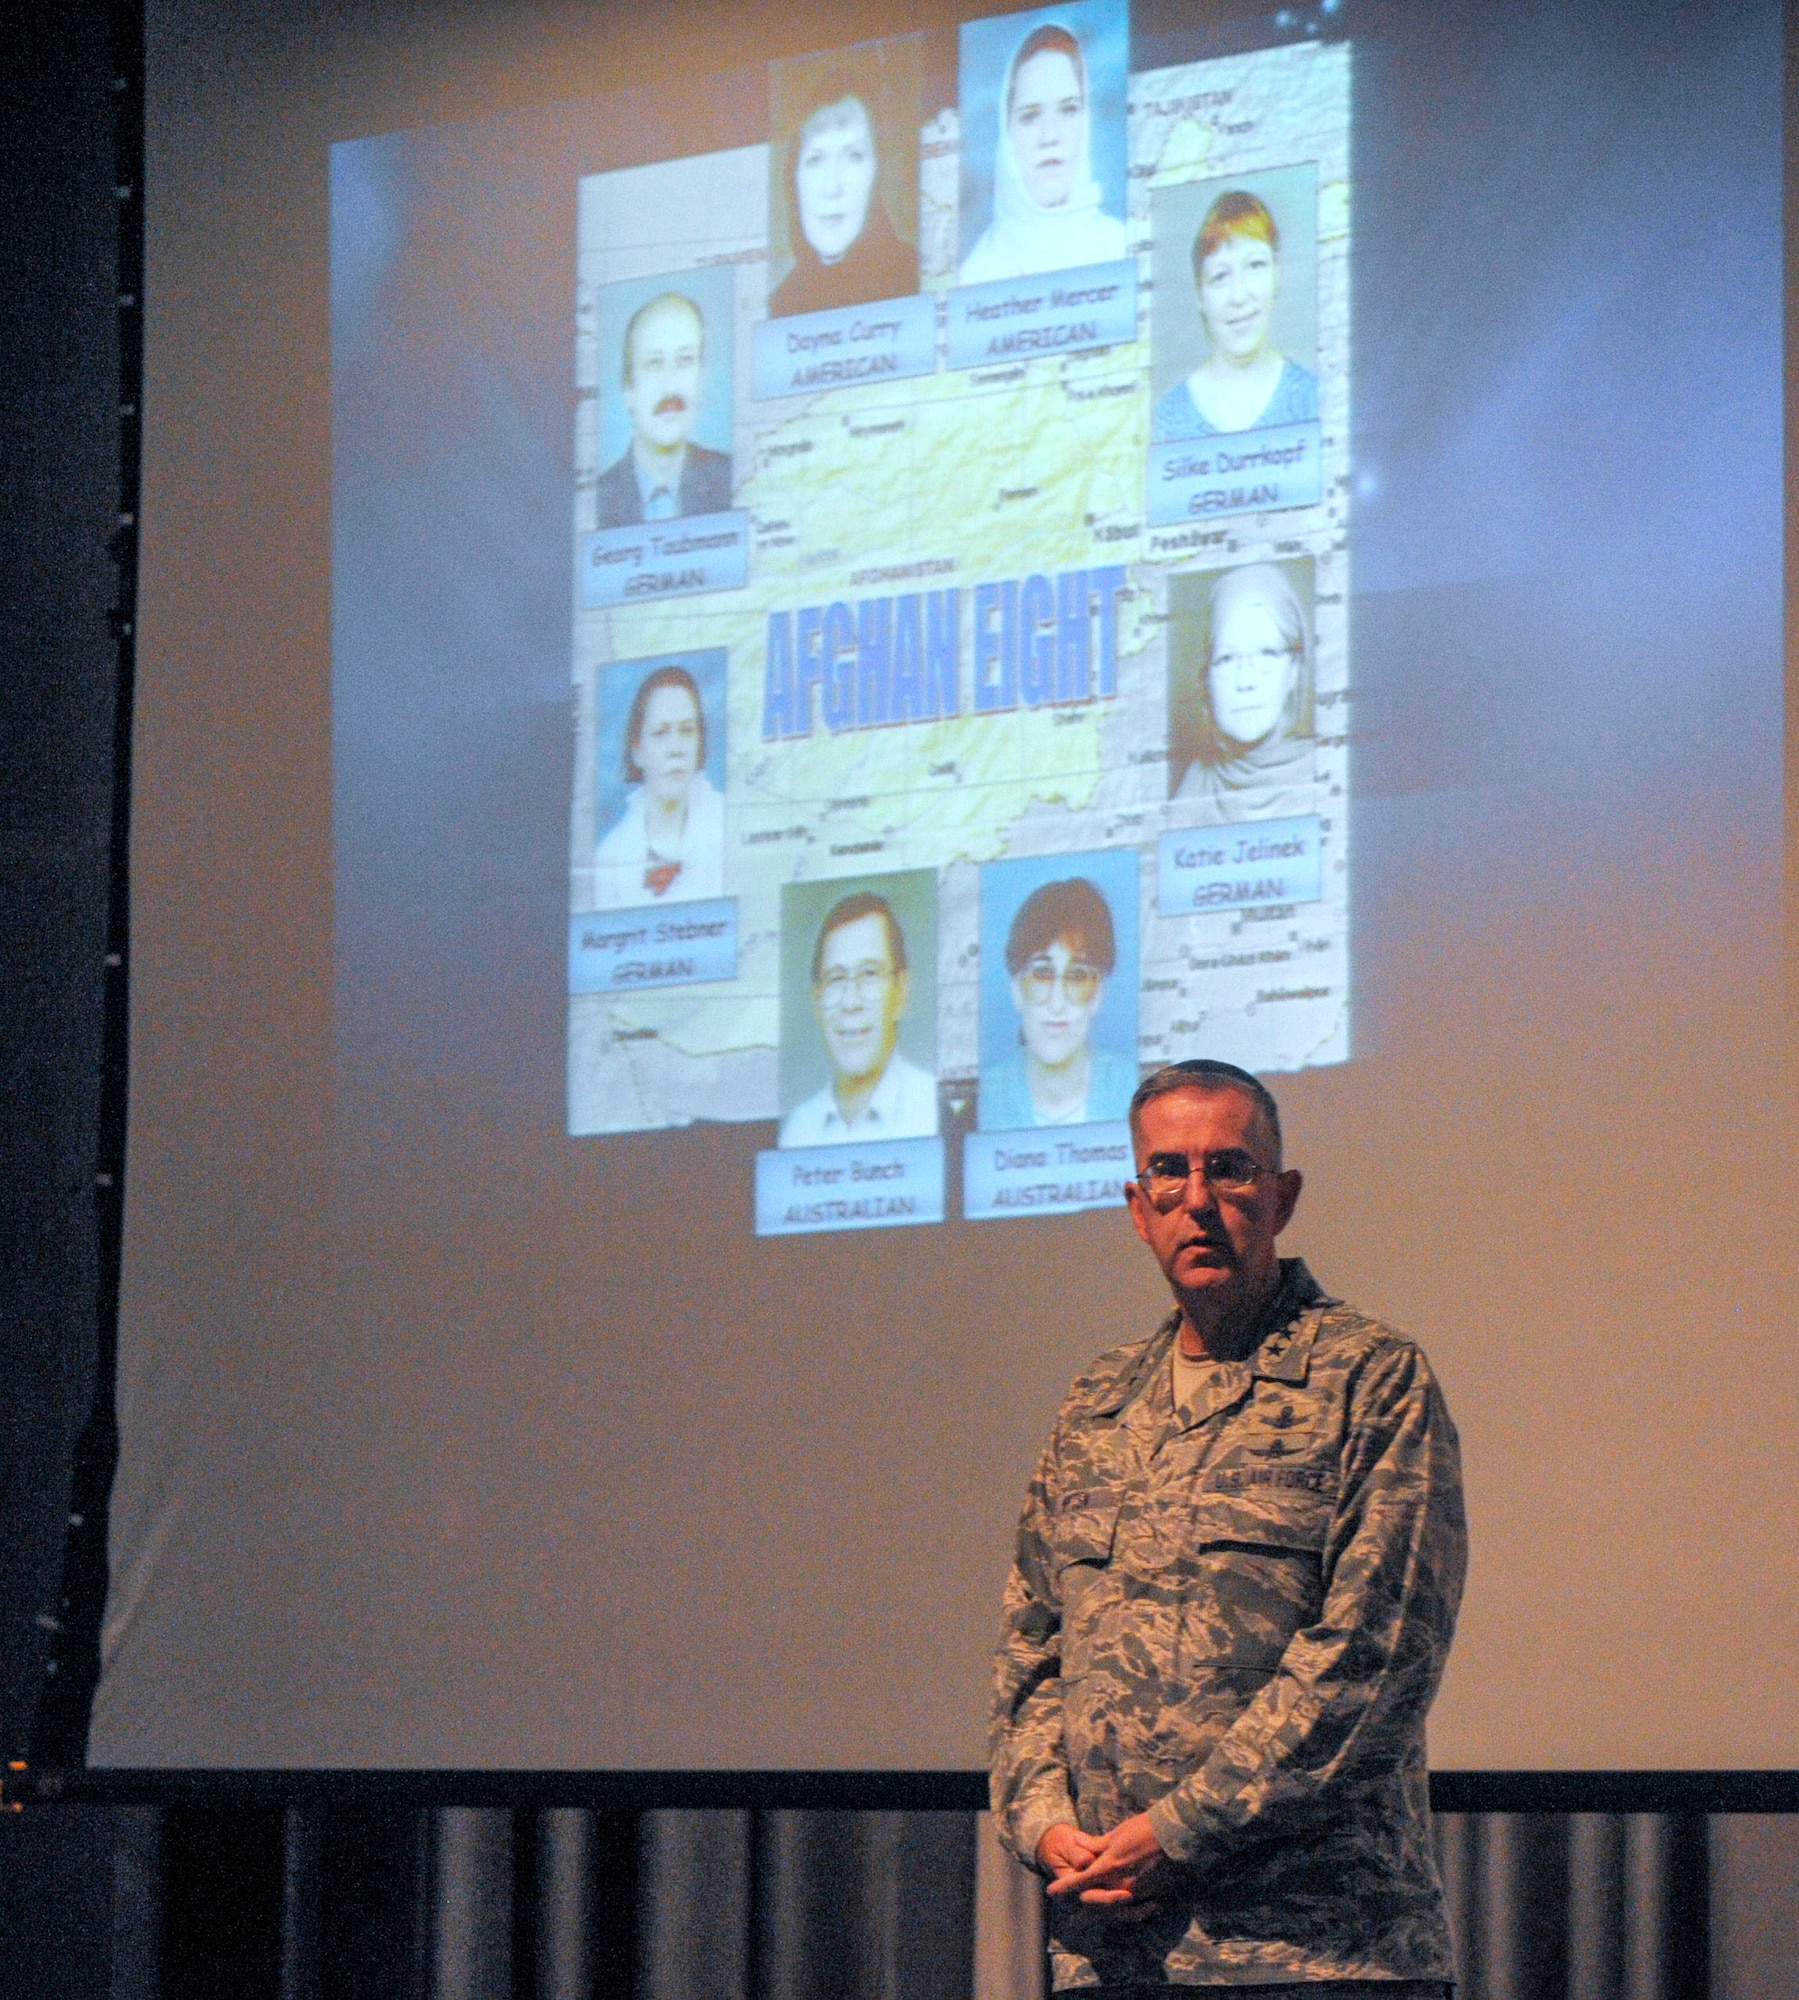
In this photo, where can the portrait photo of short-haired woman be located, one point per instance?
(1234, 323)
(1058, 990)
(666, 841)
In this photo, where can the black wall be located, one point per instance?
(59, 417)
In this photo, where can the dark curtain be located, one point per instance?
(193, 1903)
(60, 443)
(807, 1906)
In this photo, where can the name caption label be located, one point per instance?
(677, 558)
(1236, 867)
(1047, 1170)
(1236, 472)
(884, 1186)
(680, 944)
(1016, 319)
(845, 346)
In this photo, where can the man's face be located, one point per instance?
(859, 997)
(1216, 1251)
(663, 394)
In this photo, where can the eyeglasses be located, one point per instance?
(867, 982)
(1230, 1170)
(1263, 658)
(1080, 981)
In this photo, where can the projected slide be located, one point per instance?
(960, 549)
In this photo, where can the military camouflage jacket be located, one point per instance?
(1234, 1615)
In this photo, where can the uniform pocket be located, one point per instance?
(1255, 1557)
(1262, 1507)
(1086, 1526)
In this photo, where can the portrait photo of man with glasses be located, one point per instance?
(1235, 1583)
(863, 993)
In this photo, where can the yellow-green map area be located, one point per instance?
(979, 481)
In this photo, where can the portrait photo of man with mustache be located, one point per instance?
(663, 473)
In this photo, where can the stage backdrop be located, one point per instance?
(608, 704)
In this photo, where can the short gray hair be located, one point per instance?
(1208, 1073)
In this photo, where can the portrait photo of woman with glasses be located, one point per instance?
(1062, 953)
(1241, 688)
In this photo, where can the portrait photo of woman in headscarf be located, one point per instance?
(1058, 990)
(1233, 293)
(1056, 125)
(843, 198)
(1241, 688)
(665, 842)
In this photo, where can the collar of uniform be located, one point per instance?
(1289, 1328)
(1104, 1395)
(1225, 1385)
(1281, 1354)
(1292, 1324)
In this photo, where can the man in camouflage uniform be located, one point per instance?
(1236, 1581)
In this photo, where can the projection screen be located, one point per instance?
(724, 665)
